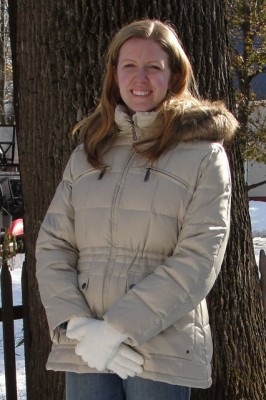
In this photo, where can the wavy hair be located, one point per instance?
(98, 129)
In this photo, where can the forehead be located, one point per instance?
(142, 48)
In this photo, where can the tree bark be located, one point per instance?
(58, 49)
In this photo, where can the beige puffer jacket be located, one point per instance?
(140, 246)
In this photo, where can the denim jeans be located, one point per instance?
(111, 387)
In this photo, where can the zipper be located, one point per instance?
(134, 134)
(119, 187)
(158, 171)
(114, 205)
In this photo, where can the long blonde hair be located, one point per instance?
(98, 129)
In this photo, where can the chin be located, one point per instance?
(143, 109)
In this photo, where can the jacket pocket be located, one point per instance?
(175, 178)
(185, 336)
(90, 171)
(134, 276)
(90, 286)
(175, 342)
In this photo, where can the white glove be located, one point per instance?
(98, 341)
(126, 362)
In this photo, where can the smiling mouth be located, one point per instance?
(141, 92)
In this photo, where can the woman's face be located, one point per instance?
(143, 75)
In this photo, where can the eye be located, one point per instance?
(155, 67)
(129, 65)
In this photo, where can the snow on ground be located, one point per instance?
(257, 212)
(258, 220)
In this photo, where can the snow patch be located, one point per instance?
(257, 212)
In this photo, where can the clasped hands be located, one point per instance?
(101, 347)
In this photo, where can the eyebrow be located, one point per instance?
(149, 62)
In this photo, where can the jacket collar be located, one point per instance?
(133, 126)
(195, 120)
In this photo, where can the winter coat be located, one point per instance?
(141, 246)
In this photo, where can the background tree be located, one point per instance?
(6, 78)
(58, 50)
(2, 60)
(247, 28)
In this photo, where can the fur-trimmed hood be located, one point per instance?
(206, 121)
(192, 120)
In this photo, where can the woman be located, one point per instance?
(136, 233)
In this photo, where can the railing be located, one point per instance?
(262, 268)
(9, 313)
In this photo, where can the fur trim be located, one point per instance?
(206, 121)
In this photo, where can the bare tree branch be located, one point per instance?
(255, 185)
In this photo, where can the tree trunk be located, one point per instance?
(58, 48)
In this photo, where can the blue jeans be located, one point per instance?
(111, 387)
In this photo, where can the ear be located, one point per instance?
(173, 80)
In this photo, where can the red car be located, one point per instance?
(11, 205)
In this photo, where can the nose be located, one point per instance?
(141, 74)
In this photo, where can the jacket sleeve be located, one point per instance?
(183, 281)
(57, 257)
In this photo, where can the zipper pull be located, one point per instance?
(100, 177)
(147, 175)
(134, 135)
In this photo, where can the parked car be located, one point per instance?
(11, 194)
(11, 205)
